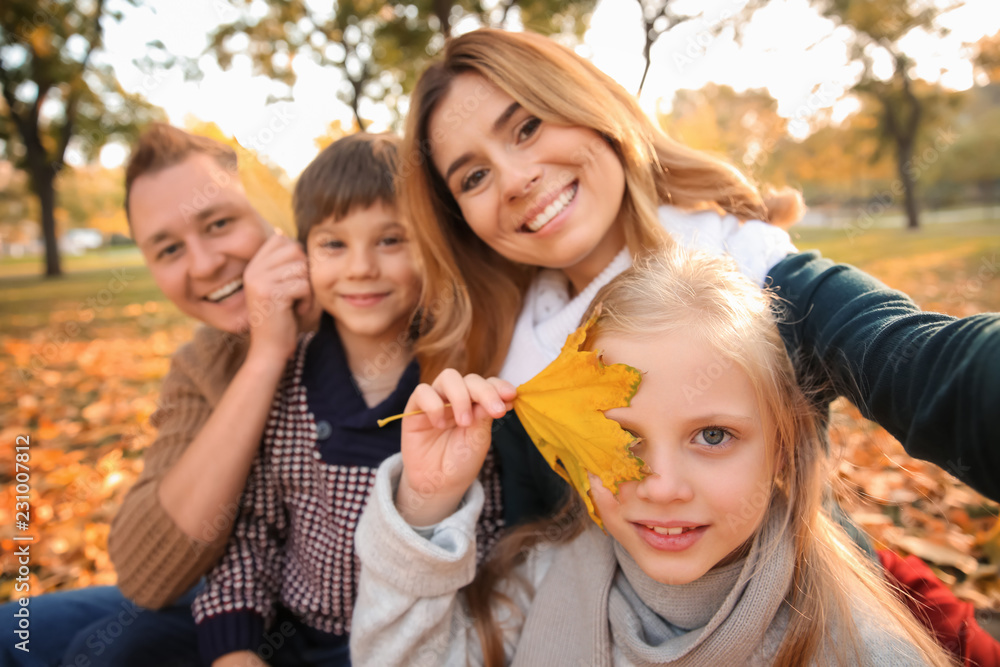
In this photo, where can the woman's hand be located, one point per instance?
(444, 448)
(278, 294)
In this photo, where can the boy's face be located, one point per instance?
(197, 232)
(703, 439)
(363, 273)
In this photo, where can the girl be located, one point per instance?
(532, 179)
(722, 554)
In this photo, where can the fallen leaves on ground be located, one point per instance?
(915, 507)
(84, 400)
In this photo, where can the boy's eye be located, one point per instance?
(529, 127)
(472, 180)
(713, 436)
(331, 244)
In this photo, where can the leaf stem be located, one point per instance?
(383, 422)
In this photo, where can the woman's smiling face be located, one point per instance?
(538, 193)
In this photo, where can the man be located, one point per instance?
(218, 261)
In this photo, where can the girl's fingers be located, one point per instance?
(428, 400)
(486, 394)
(453, 389)
(505, 390)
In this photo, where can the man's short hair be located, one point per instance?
(162, 146)
(353, 172)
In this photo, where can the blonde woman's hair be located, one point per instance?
(673, 291)
(472, 295)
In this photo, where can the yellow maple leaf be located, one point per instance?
(562, 409)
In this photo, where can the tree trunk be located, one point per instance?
(45, 189)
(903, 162)
(442, 10)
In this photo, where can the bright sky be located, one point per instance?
(788, 49)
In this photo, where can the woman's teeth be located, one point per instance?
(552, 210)
(225, 290)
(671, 531)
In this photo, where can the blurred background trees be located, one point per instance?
(380, 47)
(58, 94)
(907, 143)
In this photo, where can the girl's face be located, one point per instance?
(702, 437)
(538, 193)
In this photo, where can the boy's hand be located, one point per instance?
(444, 448)
(278, 293)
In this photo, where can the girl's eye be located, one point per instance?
(713, 436)
(331, 244)
(472, 180)
(529, 127)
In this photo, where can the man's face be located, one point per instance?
(197, 232)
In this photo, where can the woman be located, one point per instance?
(533, 179)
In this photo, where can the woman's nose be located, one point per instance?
(519, 178)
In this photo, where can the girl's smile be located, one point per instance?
(537, 192)
(669, 538)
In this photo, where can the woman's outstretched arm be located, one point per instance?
(931, 380)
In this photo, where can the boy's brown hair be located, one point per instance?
(353, 172)
(162, 146)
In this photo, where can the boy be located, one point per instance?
(285, 588)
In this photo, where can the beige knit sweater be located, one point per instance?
(156, 560)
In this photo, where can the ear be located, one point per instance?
(782, 468)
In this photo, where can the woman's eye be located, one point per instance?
(713, 436)
(529, 127)
(473, 179)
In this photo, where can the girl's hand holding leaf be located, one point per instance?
(444, 446)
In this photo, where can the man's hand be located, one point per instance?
(278, 296)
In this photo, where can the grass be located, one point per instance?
(948, 267)
(109, 287)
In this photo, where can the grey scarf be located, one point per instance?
(595, 597)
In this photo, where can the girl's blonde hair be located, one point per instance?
(677, 291)
(472, 295)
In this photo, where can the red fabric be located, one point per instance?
(952, 621)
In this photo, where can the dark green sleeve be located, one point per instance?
(931, 380)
